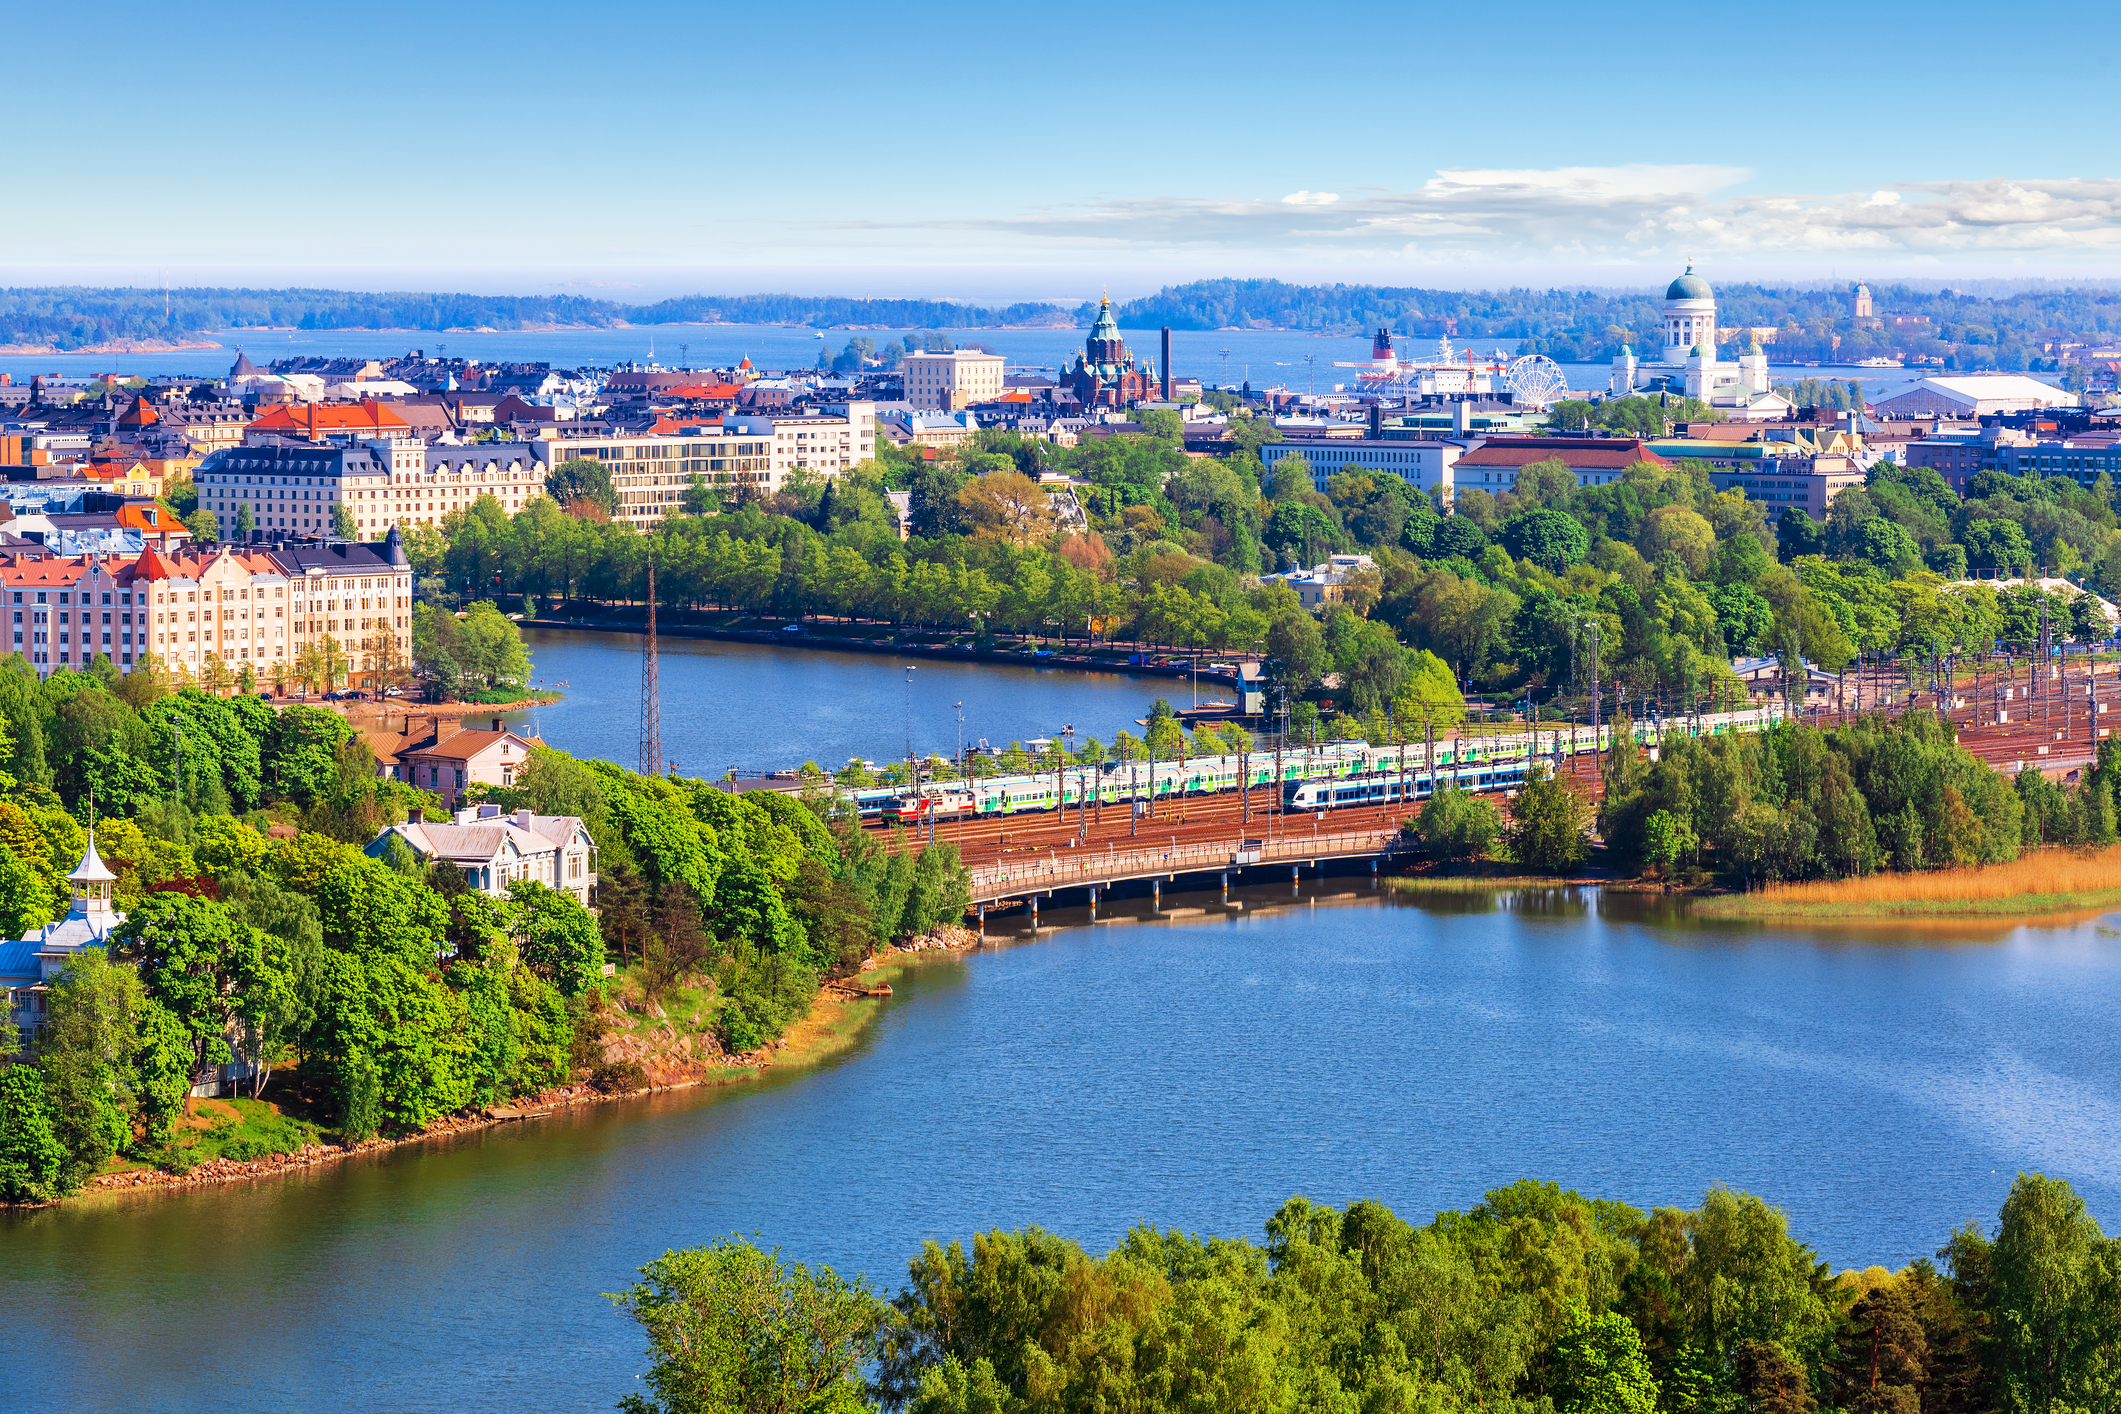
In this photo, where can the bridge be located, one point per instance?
(1040, 873)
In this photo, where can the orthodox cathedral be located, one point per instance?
(1105, 374)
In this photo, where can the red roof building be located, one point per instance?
(314, 422)
(1493, 466)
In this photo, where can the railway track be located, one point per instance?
(2047, 714)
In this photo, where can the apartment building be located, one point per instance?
(651, 469)
(290, 487)
(228, 604)
(357, 595)
(62, 611)
(828, 441)
(952, 382)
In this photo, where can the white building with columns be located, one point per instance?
(1686, 362)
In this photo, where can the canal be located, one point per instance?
(762, 707)
(1882, 1087)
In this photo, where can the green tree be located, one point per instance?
(1549, 825)
(342, 522)
(558, 937)
(1601, 1366)
(1458, 827)
(583, 479)
(2050, 1268)
(734, 1330)
(33, 1162)
(86, 1053)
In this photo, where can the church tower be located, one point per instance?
(1752, 368)
(1689, 317)
(1863, 302)
(1623, 380)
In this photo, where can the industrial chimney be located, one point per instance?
(1167, 363)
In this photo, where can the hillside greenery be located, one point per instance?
(1537, 1300)
(376, 993)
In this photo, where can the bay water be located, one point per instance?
(1882, 1085)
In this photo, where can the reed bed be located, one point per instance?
(2047, 881)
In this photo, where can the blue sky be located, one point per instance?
(640, 149)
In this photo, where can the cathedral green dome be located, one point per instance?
(1689, 286)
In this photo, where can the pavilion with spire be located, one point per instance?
(29, 963)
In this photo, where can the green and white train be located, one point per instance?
(1328, 776)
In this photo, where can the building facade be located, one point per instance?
(28, 964)
(1426, 467)
(1594, 461)
(62, 612)
(496, 849)
(951, 382)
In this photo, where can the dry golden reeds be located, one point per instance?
(2047, 871)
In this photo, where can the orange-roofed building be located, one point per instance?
(65, 611)
(314, 422)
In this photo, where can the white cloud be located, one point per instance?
(1585, 216)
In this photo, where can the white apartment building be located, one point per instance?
(947, 382)
(1424, 466)
(828, 441)
(650, 470)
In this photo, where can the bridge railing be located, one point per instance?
(1077, 868)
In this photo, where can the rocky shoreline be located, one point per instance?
(700, 1068)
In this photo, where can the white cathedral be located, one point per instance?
(1688, 363)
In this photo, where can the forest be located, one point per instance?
(1537, 1300)
(375, 992)
(72, 317)
(1959, 329)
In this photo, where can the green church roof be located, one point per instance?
(1689, 286)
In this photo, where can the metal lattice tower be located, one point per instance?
(651, 691)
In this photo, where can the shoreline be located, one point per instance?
(115, 346)
(833, 1023)
(1075, 662)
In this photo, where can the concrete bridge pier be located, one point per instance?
(1034, 913)
(983, 920)
(1373, 876)
(1093, 903)
(1295, 871)
(1226, 886)
(1156, 896)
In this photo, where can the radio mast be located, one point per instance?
(651, 690)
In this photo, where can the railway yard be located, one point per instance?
(2047, 722)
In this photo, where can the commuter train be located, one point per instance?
(1328, 776)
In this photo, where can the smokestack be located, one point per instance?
(1167, 363)
(1377, 421)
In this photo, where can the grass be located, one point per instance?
(1474, 883)
(239, 1129)
(2048, 881)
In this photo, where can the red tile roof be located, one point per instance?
(1578, 454)
(313, 420)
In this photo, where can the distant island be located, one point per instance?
(2022, 329)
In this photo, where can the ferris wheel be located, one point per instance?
(1537, 379)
